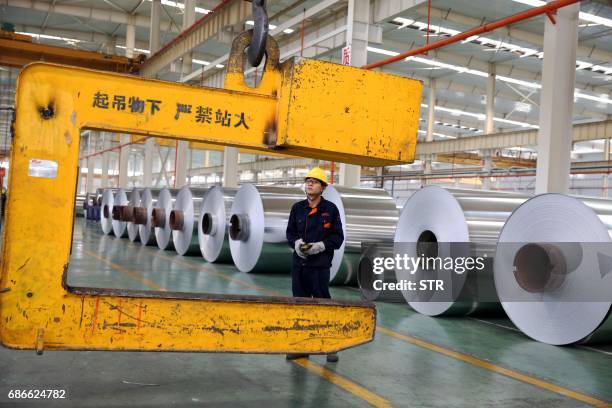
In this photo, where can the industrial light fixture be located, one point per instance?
(494, 45)
(50, 37)
(481, 116)
(205, 63)
(421, 131)
(523, 107)
(181, 6)
(135, 49)
(453, 125)
(528, 84)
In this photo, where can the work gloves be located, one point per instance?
(315, 248)
(298, 251)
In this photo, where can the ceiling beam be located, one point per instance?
(228, 13)
(91, 13)
(471, 62)
(582, 132)
(502, 93)
(515, 33)
(85, 36)
(386, 9)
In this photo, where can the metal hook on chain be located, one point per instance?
(257, 48)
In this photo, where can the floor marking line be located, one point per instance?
(344, 383)
(496, 369)
(323, 372)
(131, 274)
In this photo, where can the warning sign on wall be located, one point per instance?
(346, 55)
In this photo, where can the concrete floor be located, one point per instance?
(414, 361)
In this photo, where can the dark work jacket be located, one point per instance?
(321, 223)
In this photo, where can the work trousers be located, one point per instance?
(309, 282)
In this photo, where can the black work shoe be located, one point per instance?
(332, 358)
(295, 356)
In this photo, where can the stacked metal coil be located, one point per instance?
(368, 215)
(128, 214)
(553, 269)
(184, 219)
(160, 218)
(143, 215)
(452, 224)
(96, 213)
(213, 223)
(106, 213)
(118, 213)
(257, 230)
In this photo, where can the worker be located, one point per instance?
(314, 231)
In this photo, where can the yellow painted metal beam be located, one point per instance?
(134, 106)
(54, 104)
(37, 307)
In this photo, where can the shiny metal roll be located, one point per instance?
(128, 214)
(368, 215)
(213, 224)
(96, 202)
(160, 218)
(100, 192)
(371, 277)
(452, 223)
(553, 269)
(143, 215)
(184, 220)
(106, 212)
(258, 226)
(119, 205)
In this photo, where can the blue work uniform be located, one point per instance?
(310, 276)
